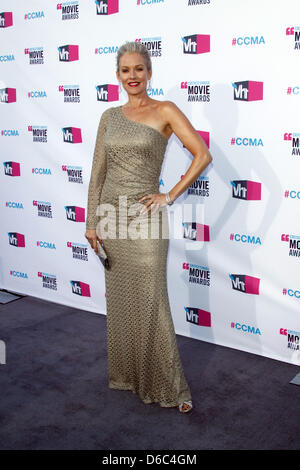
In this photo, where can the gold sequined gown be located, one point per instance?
(142, 349)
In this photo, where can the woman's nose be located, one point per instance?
(132, 74)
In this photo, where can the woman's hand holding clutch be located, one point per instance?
(92, 237)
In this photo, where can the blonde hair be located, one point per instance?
(130, 47)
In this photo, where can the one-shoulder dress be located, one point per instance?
(142, 349)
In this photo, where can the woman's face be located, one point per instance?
(133, 73)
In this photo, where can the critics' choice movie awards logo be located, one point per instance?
(74, 173)
(39, 133)
(35, 55)
(197, 90)
(293, 244)
(107, 92)
(200, 187)
(69, 10)
(292, 338)
(153, 45)
(247, 190)
(196, 44)
(197, 316)
(247, 91)
(107, 7)
(44, 209)
(244, 283)
(293, 138)
(8, 95)
(199, 275)
(79, 250)
(71, 93)
(49, 281)
(294, 31)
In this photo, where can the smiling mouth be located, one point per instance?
(133, 84)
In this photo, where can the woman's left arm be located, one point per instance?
(190, 138)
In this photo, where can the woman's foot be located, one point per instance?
(185, 406)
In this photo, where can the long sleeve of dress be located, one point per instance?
(98, 174)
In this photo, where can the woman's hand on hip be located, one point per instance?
(154, 202)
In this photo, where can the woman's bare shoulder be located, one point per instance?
(169, 110)
(168, 106)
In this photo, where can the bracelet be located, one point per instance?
(169, 202)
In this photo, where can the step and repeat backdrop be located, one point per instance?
(233, 68)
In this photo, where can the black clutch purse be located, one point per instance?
(102, 255)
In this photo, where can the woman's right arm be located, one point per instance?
(97, 178)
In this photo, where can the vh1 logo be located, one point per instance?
(8, 95)
(80, 288)
(12, 168)
(244, 283)
(107, 92)
(75, 213)
(107, 7)
(198, 316)
(248, 91)
(68, 53)
(196, 231)
(245, 189)
(6, 19)
(16, 239)
(196, 44)
(72, 135)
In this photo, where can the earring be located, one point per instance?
(120, 88)
(149, 86)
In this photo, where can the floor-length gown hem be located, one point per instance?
(149, 400)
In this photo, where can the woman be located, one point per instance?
(130, 146)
